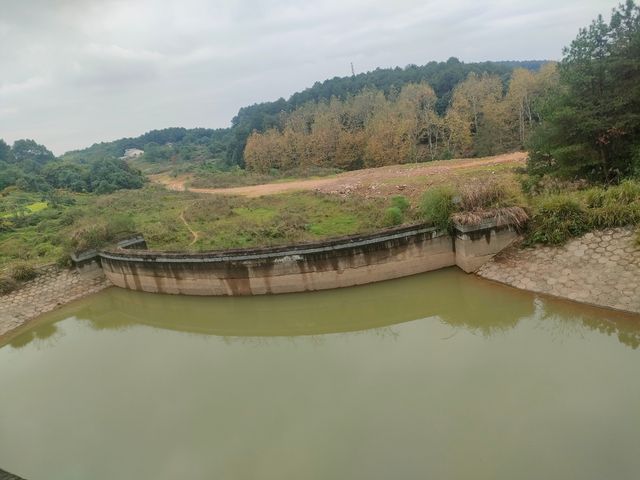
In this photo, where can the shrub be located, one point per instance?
(615, 215)
(537, 184)
(97, 235)
(400, 202)
(7, 285)
(516, 216)
(64, 260)
(626, 193)
(615, 206)
(558, 218)
(23, 272)
(480, 196)
(437, 207)
(86, 238)
(393, 216)
(120, 224)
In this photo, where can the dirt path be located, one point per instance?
(353, 180)
(195, 234)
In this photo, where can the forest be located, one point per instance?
(371, 128)
(441, 76)
(31, 167)
(225, 147)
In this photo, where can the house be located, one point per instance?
(130, 153)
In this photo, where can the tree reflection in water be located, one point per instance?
(459, 300)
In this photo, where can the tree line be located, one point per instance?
(167, 145)
(443, 77)
(31, 167)
(374, 128)
(227, 145)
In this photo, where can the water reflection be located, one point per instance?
(459, 300)
(436, 376)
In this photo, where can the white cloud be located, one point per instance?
(80, 71)
(22, 87)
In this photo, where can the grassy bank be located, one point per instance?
(35, 229)
(569, 211)
(179, 221)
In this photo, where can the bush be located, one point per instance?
(614, 207)
(558, 218)
(615, 215)
(400, 202)
(480, 196)
(7, 285)
(100, 234)
(437, 207)
(64, 260)
(547, 185)
(393, 216)
(23, 272)
(120, 224)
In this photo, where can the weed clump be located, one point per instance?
(7, 285)
(437, 206)
(558, 218)
(23, 272)
(100, 234)
(393, 216)
(401, 203)
(614, 207)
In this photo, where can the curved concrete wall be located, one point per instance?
(332, 264)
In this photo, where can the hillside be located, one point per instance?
(173, 147)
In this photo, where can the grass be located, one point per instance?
(28, 209)
(437, 206)
(472, 203)
(241, 178)
(221, 222)
(33, 231)
(558, 217)
(50, 234)
(230, 222)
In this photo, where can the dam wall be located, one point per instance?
(337, 263)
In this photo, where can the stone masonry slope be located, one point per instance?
(51, 288)
(600, 268)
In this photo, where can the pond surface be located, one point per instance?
(440, 376)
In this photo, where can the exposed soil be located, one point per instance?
(406, 179)
(194, 234)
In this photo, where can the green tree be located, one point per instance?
(29, 151)
(5, 152)
(592, 121)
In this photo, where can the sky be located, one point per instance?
(76, 72)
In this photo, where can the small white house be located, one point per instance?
(130, 153)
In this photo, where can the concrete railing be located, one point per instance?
(335, 263)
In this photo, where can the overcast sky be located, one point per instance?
(75, 72)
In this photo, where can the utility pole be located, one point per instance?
(353, 72)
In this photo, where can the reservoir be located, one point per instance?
(440, 375)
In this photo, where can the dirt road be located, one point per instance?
(377, 180)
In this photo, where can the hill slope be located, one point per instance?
(172, 146)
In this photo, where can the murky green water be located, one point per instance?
(438, 376)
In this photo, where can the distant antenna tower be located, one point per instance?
(353, 72)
